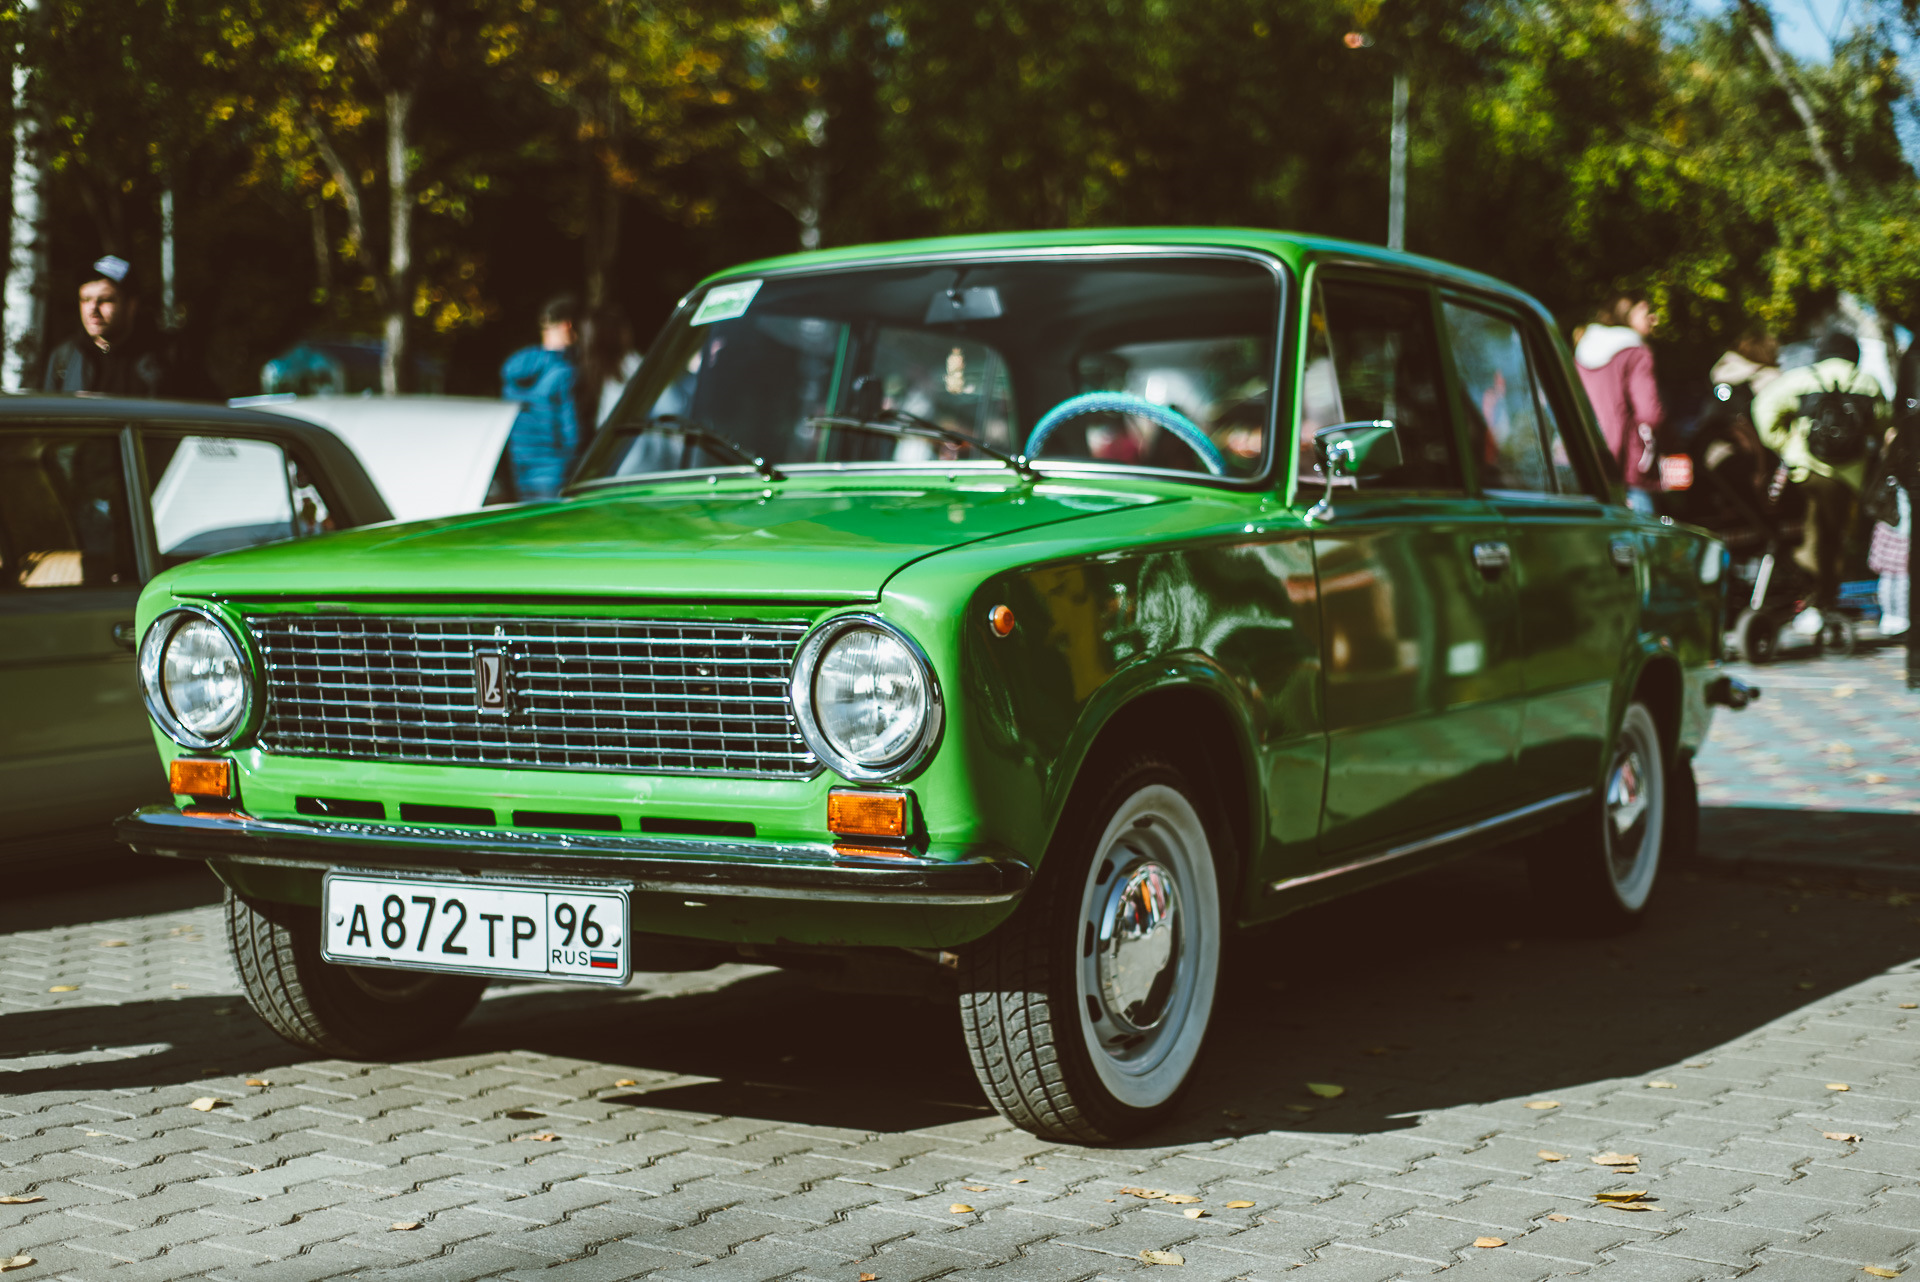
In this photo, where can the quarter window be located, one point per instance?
(1503, 406)
(217, 493)
(63, 512)
(1372, 354)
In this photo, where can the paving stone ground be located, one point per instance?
(737, 1125)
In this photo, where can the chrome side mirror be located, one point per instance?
(1351, 451)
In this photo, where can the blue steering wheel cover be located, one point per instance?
(1127, 403)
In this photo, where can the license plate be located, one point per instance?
(518, 929)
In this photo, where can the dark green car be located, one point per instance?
(1021, 611)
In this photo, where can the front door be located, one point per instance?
(1418, 617)
(1573, 565)
(74, 740)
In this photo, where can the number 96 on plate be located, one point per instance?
(522, 929)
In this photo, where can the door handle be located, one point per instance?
(1624, 554)
(1492, 557)
(123, 635)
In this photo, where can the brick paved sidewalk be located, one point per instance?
(1821, 775)
(734, 1126)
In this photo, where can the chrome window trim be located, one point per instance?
(801, 695)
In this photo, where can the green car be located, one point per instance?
(1021, 613)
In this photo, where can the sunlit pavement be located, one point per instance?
(736, 1125)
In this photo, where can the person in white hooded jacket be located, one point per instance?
(1616, 368)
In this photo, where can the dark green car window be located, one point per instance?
(63, 512)
(1372, 354)
(1502, 403)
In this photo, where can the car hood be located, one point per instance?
(796, 540)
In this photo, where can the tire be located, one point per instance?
(1838, 637)
(1085, 1012)
(1599, 869)
(1759, 634)
(351, 1012)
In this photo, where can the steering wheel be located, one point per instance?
(1127, 403)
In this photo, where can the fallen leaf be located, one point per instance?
(1548, 1155)
(539, 1137)
(869, 1277)
(1020, 1180)
(1838, 1086)
(21, 1199)
(113, 943)
(1299, 1108)
(1179, 1199)
(258, 1081)
(976, 1188)
(1629, 1196)
(1843, 692)
(1873, 1270)
(1844, 1136)
(180, 985)
(403, 1226)
(1194, 1212)
(94, 1135)
(1231, 1112)
(1326, 1090)
(1615, 1159)
(1633, 1206)
(626, 1081)
(206, 1104)
(1661, 1086)
(1697, 1063)
(522, 1115)
(1557, 1218)
(64, 988)
(17, 1262)
(1488, 1243)
(1804, 985)
(1910, 1005)
(1162, 1257)
(960, 1208)
(1238, 1206)
(1543, 1103)
(1872, 777)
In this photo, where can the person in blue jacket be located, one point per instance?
(546, 436)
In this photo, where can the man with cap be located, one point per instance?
(1792, 415)
(107, 356)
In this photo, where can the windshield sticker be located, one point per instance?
(725, 302)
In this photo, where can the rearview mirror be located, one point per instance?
(1351, 452)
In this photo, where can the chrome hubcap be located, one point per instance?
(1634, 809)
(1137, 947)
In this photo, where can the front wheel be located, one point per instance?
(353, 1012)
(1599, 868)
(1085, 1012)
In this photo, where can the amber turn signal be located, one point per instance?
(1000, 619)
(860, 812)
(200, 777)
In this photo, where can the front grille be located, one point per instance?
(643, 696)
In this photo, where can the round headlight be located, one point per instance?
(865, 698)
(195, 678)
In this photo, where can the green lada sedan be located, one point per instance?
(1022, 612)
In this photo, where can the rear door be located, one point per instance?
(1421, 634)
(74, 742)
(1573, 560)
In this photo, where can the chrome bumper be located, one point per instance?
(663, 865)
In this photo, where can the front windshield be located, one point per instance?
(930, 364)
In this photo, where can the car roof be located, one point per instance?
(351, 485)
(1293, 248)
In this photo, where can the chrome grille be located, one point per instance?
(652, 696)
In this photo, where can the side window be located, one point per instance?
(216, 493)
(63, 512)
(1568, 471)
(1502, 402)
(1372, 354)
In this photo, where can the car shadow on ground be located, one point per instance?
(1448, 989)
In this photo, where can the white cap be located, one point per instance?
(113, 267)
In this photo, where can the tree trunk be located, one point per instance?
(395, 359)
(603, 229)
(25, 299)
(169, 309)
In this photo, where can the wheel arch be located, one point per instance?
(1660, 685)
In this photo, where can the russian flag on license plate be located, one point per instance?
(604, 961)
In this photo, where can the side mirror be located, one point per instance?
(1352, 451)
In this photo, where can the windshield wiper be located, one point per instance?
(731, 448)
(898, 422)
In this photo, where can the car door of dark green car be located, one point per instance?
(74, 741)
(1418, 617)
(1573, 561)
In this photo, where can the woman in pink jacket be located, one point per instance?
(1616, 367)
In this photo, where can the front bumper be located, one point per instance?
(670, 866)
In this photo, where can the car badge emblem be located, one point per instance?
(490, 689)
